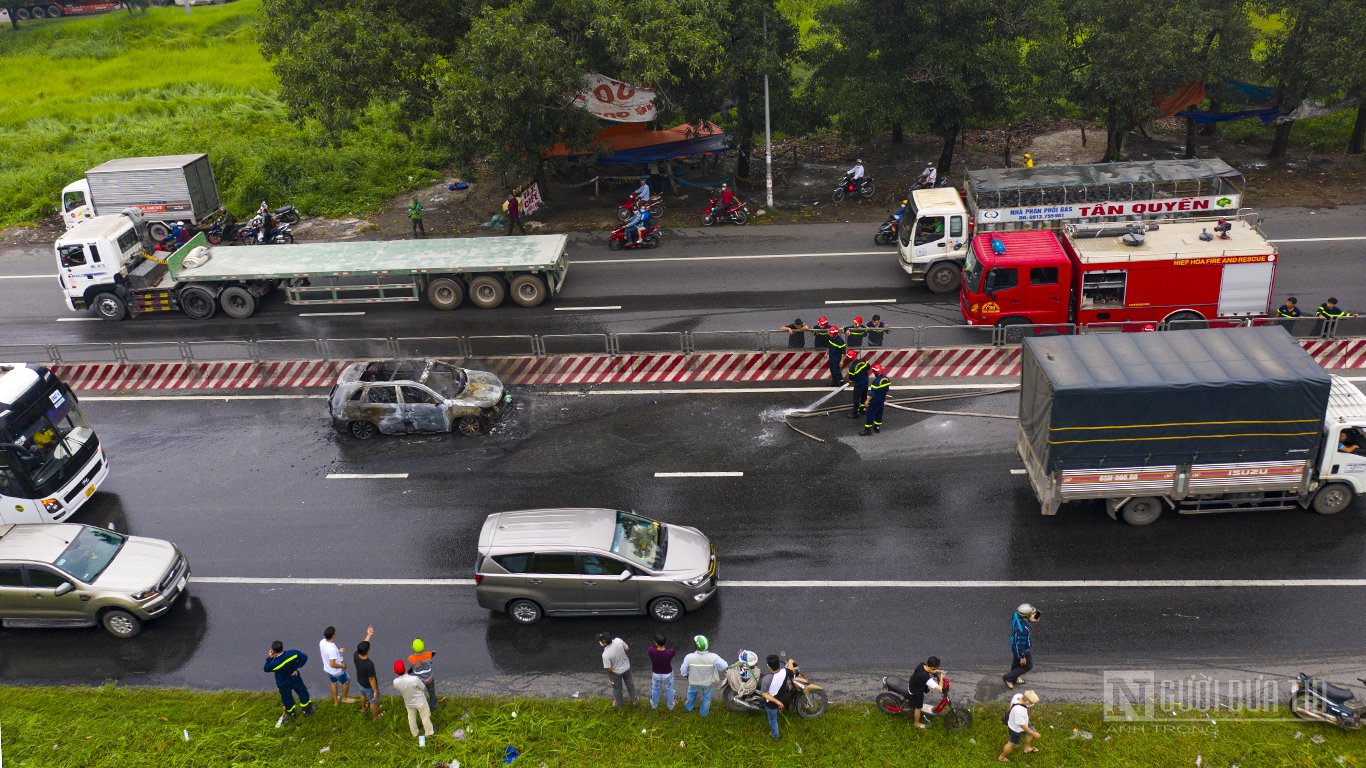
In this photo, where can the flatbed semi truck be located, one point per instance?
(103, 265)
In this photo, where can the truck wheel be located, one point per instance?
(22, 14)
(54, 12)
(109, 306)
(1332, 499)
(237, 302)
(197, 302)
(944, 277)
(121, 624)
(487, 291)
(445, 293)
(157, 231)
(1014, 329)
(1141, 511)
(38, 12)
(528, 290)
(1185, 321)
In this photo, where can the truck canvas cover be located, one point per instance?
(1170, 398)
(1138, 180)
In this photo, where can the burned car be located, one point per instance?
(418, 395)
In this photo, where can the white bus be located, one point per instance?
(50, 460)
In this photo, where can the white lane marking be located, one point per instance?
(585, 309)
(1017, 471)
(862, 301)
(330, 314)
(77, 319)
(1319, 239)
(851, 584)
(699, 474)
(371, 476)
(734, 258)
(26, 277)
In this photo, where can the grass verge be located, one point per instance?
(133, 727)
(76, 92)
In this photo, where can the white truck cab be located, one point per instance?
(92, 258)
(1346, 417)
(933, 238)
(76, 205)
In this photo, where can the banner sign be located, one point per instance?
(1210, 205)
(614, 100)
(531, 199)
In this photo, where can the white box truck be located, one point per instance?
(163, 189)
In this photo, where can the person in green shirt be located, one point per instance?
(415, 213)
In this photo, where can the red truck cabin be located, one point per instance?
(1030, 279)
(1172, 275)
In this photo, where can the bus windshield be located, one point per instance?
(51, 434)
(90, 553)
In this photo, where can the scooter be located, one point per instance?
(853, 190)
(886, 234)
(252, 234)
(285, 214)
(736, 214)
(942, 181)
(648, 238)
(180, 235)
(229, 232)
(1315, 699)
(655, 205)
(895, 699)
(739, 689)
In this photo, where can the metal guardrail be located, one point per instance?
(542, 345)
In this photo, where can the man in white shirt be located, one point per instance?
(856, 173)
(642, 192)
(618, 667)
(334, 666)
(702, 668)
(772, 686)
(414, 694)
(1018, 727)
(928, 177)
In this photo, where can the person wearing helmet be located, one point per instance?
(856, 173)
(1028, 160)
(858, 376)
(821, 333)
(703, 669)
(642, 192)
(1021, 644)
(420, 662)
(928, 177)
(836, 345)
(874, 402)
(855, 332)
(728, 199)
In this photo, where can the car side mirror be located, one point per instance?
(63, 588)
(626, 574)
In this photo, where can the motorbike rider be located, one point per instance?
(638, 223)
(728, 199)
(927, 177)
(263, 213)
(855, 174)
(642, 192)
(924, 679)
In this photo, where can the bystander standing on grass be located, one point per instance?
(618, 667)
(366, 676)
(1018, 728)
(334, 666)
(702, 668)
(285, 664)
(420, 660)
(414, 696)
(661, 672)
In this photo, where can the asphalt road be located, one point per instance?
(242, 487)
(724, 278)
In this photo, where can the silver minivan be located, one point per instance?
(591, 562)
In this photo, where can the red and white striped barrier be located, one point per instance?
(570, 370)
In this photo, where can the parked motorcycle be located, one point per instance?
(736, 214)
(853, 190)
(942, 181)
(252, 234)
(231, 232)
(1321, 700)
(285, 214)
(648, 238)
(655, 205)
(886, 234)
(895, 699)
(739, 689)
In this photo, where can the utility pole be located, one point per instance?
(768, 129)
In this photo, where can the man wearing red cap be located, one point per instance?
(856, 332)
(874, 402)
(414, 695)
(837, 346)
(858, 376)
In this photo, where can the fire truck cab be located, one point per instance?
(1156, 272)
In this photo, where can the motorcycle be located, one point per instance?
(655, 205)
(886, 234)
(648, 238)
(285, 214)
(1320, 700)
(942, 181)
(853, 190)
(231, 232)
(739, 689)
(736, 214)
(895, 699)
(178, 236)
(252, 235)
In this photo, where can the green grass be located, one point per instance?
(1327, 134)
(77, 92)
(133, 727)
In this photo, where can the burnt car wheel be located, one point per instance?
(469, 426)
(362, 430)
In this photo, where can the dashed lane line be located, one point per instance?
(699, 474)
(368, 476)
(588, 309)
(78, 319)
(860, 301)
(845, 584)
(330, 314)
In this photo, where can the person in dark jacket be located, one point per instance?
(858, 376)
(1021, 644)
(855, 332)
(821, 333)
(1289, 309)
(796, 334)
(1330, 308)
(836, 345)
(877, 331)
(878, 387)
(286, 665)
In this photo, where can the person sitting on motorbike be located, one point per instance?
(642, 192)
(728, 198)
(856, 173)
(924, 679)
(646, 219)
(928, 177)
(898, 213)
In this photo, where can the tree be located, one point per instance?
(1226, 52)
(1338, 44)
(1296, 72)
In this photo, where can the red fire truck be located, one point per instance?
(1174, 272)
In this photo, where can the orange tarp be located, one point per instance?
(634, 136)
(1189, 95)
